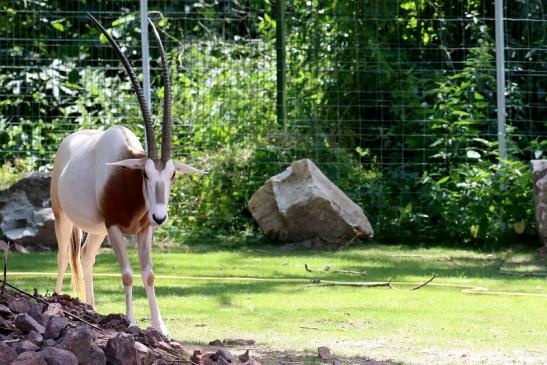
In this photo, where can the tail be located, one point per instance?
(77, 278)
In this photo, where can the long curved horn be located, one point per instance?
(145, 109)
(166, 131)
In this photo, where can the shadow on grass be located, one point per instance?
(380, 262)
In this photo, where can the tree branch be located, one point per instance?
(433, 276)
(351, 284)
(328, 269)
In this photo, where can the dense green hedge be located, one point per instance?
(395, 105)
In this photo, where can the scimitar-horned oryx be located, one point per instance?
(104, 183)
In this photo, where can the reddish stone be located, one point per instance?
(324, 353)
(55, 356)
(7, 354)
(121, 350)
(29, 358)
(26, 324)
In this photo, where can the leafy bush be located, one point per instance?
(408, 132)
(12, 172)
(480, 204)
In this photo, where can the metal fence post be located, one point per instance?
(500, 77)
(280, 62)
(145, 58)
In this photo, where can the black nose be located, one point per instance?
(159, 220)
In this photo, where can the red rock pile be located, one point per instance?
(35, 333)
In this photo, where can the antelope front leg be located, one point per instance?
(145, 247)
(119, 245)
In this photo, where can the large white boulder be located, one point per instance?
(539, 173)
(25, 212)
(301, 203)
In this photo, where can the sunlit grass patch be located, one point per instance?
(267, 295)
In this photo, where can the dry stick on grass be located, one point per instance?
(327, 269)
(357, 234)
(433, 276)
(508, 255)
(310, 328)
(74, 316)
(352, 284)
(502, 262)
(451, 260)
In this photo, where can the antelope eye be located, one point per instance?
(144, 175)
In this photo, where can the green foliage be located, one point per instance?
(12, 172)
(407, 131)
(479, 204)
(222, 125)
(460, 111)
(440, 123)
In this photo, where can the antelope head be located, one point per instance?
(158, 173)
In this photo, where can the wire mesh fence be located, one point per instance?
(393, 100)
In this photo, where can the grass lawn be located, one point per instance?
(217, 294)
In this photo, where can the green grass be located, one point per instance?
(434, 324)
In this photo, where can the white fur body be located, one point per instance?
(81, 165)
(103, 183)
(84, 168)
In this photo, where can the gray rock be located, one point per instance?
(24, 346)
(25, 211)
(55, 356)
(160, 362)
(19, 306)
(4, 311)
(55, 326)
(50, 342)
(176, 346)
(216, 343)
(29, 358)
(5, 325)
(7, 354)
(324, 353)
(244, 357)
(247, 359)
(120, 350)
(144, 354)
(35, 338)
(197, 356)
(222, 353)
(222, 361)
(151, 336)
(79, 341)
(539, 174)
(35, 312)
(26, 323)
(164, 346)
(53, 309)
(301, 203)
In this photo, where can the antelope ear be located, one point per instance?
(182, 168)
(130, 163)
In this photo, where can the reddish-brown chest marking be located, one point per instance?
(122, 201)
